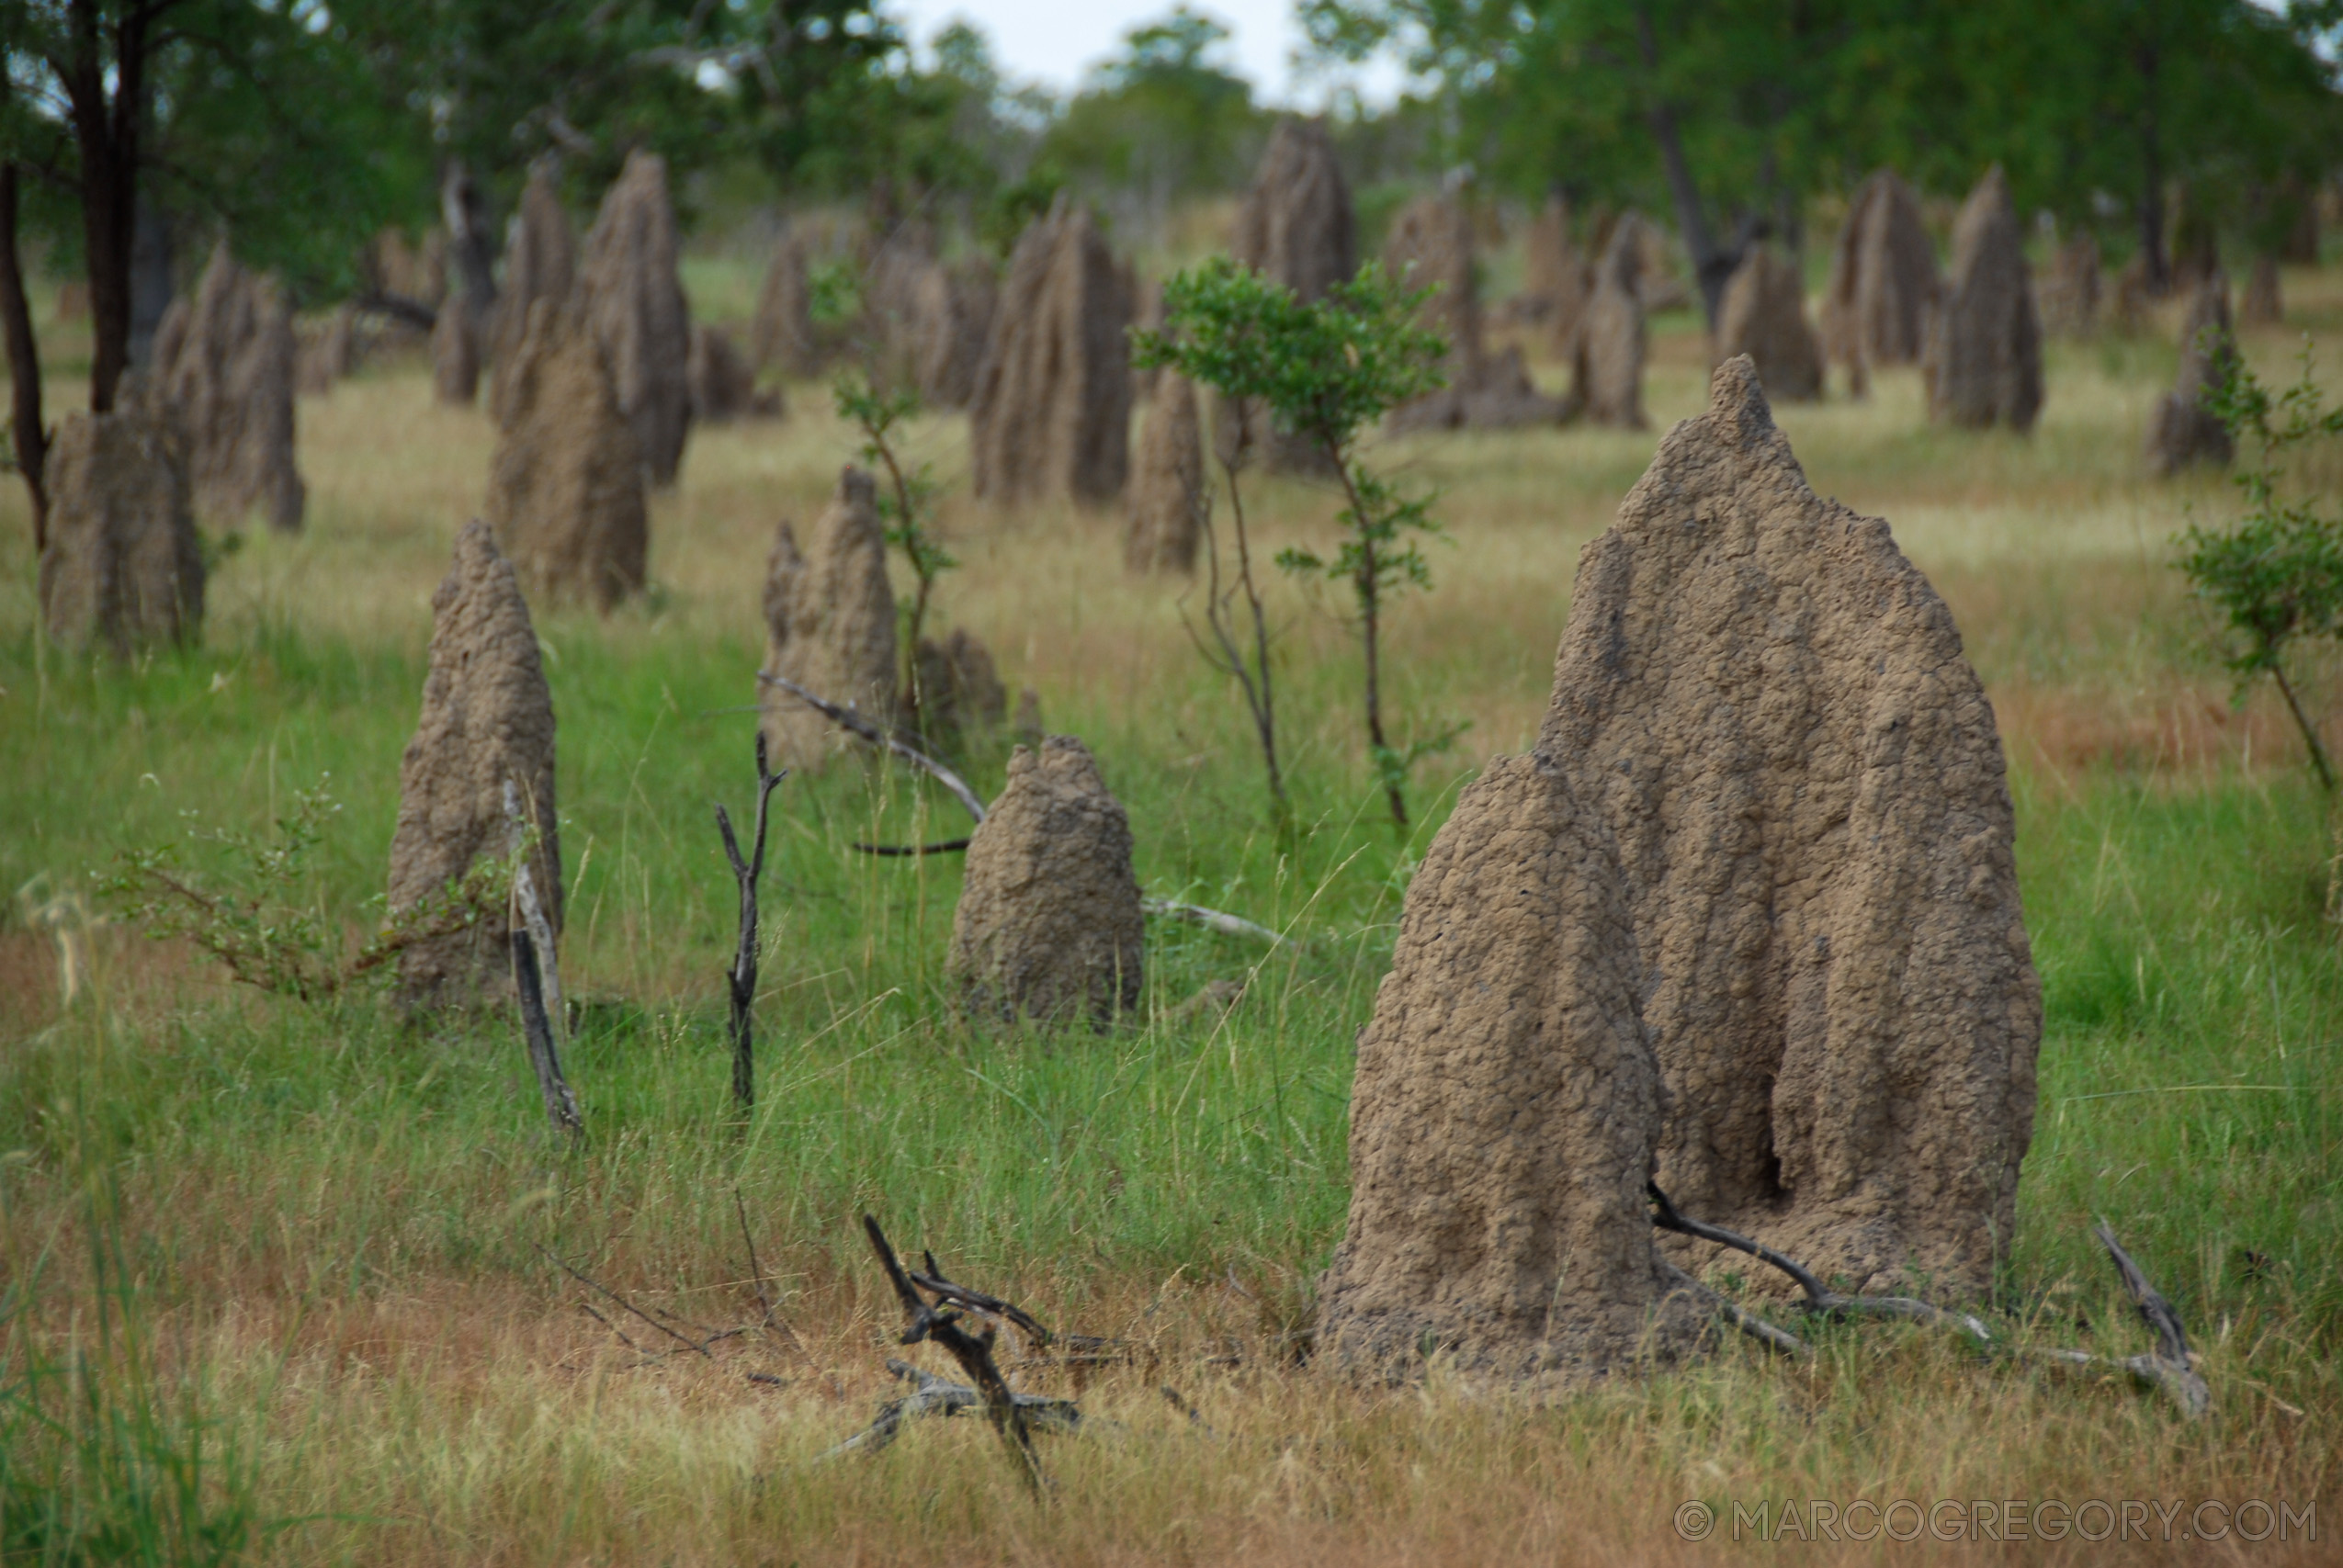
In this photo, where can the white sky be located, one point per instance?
(1056, 41)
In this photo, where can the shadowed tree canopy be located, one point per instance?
(1164, 119)
(1730, 113)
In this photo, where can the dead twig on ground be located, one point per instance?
(591, 1283)
(973, 1351)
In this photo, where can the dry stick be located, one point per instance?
(1748, 1322)
(935, 1282)
(741, 979)
(973, 1351)
(537, 981)
(756, 1274)
(2168, 1367)
(949, 846)
(1818, 1296)
(1226, 924)
(853, 721)
(591, 1282)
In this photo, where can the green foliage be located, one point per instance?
(1771, 104)
(1325, 368)
(2276, 574)
(1325, 371)
(906, 505)
(266, 924)
(1167, 117)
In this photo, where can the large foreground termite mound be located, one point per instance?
(830, 623)
(1049, 924)
(1748, 915)
(565, 490)
(487, 721)
(1507, 1106)
(1769, 705)
(123, 566)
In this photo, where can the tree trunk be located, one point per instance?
(471, 244)
(23, 363)
(1712, 264)
(106, 129)
(2151, 249)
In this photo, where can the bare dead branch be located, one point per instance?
(1819, 1297)
(973, 1351)
(2169, 1369)
(853, 721)
(591, 1283)
(1214, 919)
(741, 979)
(947, 847)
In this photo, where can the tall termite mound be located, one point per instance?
(782, 333)
(1050, 415)
(951, 312)
(723, 388)
(454, 354)
(1048, 923)
(1746, 919)
(1431, 246)
(223, 370)
(830, 623)
(487, 721)
(1507, 1106)
(540, 263)
(1883, 281)
(1556, 278)
(1169, 502)
(1983, 362)
(1764, 316)
(1609, 371)
(1294, 227)
(2067, 297)
(1770, 706)
(2182, 430)
(123, 567)
(565, 489)
(2263, 305)
(956, 689)
(634, 300)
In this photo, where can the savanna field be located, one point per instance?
(279, 1279)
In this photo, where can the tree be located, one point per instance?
(1327, 370)
(1165, 118)
(1734, 112)
(2277, 574)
